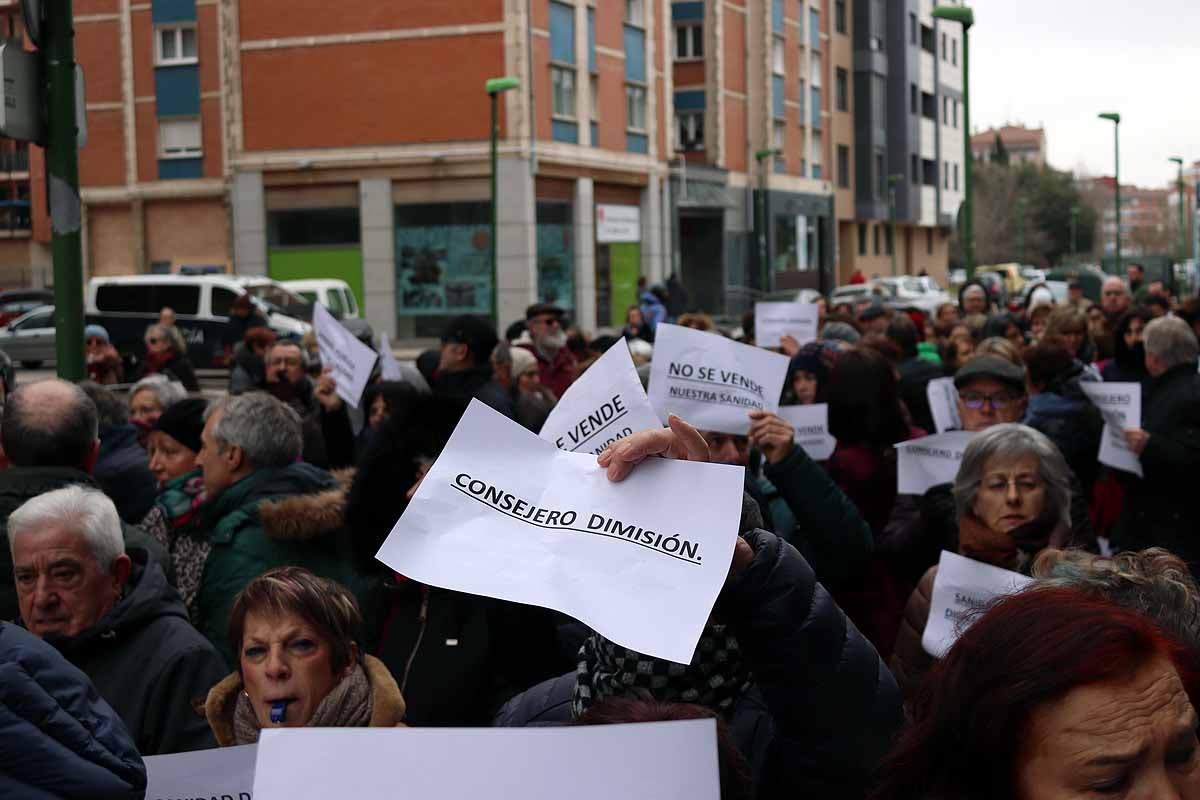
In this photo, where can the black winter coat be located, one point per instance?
(58, 738)
(123, 472)
(18, 484)
(824, 707)
(1159, 508)
(149, 663)
(180, 369)
(915, 375)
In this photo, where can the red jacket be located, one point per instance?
(557, 374)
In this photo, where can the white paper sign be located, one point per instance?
(713, 382)
(606, 403)
(1121, 406)
(943, 403)
(505, 514)
(930, 461)
(772, 321)
(351, 360)
(226, 773)
(812, 429)
(961, 587)
(659, 760)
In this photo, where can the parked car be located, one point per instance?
(29, 339)
(922, 293)
(15, 302)
(792, 296)
(1010, 273)
(334, 294)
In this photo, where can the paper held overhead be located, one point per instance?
(962, 588)
(505, 514)
(1121, 406)
(812, 429)
(350, 359)
(772, 321)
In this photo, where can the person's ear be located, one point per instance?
(121, 567)
(235, 457)
(352, 662)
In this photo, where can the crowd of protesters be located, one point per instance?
(179, 572)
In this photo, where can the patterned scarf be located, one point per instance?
(348, 705)
(717, 676)
(169, 523)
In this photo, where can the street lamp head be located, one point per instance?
(895, 179)
(1111, 115)
(960, 14)
(498, 85)
(1176, 160)
(759, 155)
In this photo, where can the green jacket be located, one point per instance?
(290, 516)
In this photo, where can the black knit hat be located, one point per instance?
(184, 422)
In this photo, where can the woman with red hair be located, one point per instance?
(1053, 693)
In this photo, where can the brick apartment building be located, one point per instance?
(275, 138)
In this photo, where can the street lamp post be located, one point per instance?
(1182, 233)
(1074, 228)
(494, 88)
(760, 217)
(1115, 118)
(892, 181)
(966, 17)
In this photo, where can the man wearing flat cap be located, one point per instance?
(557, 367)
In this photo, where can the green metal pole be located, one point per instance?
(62, 163)
(495, 215)
(968, 159)
(1117, 187)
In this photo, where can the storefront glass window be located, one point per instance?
(555, 254)
(442, 260)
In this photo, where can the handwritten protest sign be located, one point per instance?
(812, 429)
(606, 403)
(943, 403)
(930, 461)
(505, 514)
(226, 773)
(660, 760)
(392, 370)
(963, 586)
(350, 359)
(773, 321)
(713, 382)
(1121, 406)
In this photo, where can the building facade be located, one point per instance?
(1023, 145)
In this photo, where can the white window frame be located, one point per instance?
(635, 99)
(778, 57)
(635, 13)
(174, 153)
(566, 71)
(177, 29)
(779, 135)
(687, 119)
(689, 31)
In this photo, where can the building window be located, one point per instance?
(929, 241)
(593, 98)
(778, 136)
(954, 110)
(691, 130)
(562, 82)
(912, 28)
(916, 170)
(175, 45)
(817, 150)
(689, 42)
(927, 40)
(929, 172)
(839, 16)
(880, 176)
(945, 50)
(946, 175)
(841, 81)
(945, 110)
(954, 52)
(179, 138)
(862, 238)
(777, 60)
(634, 13)
(814, 29)
(956, 177)
(929, 106)
(875, 236)
(887, 239)
(843, 166)
(803, 95)
(635, 108)
(912, 99)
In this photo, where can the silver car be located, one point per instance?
(29, 339)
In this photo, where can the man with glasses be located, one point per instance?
(991, 390)
(328, 435)
(557, 367)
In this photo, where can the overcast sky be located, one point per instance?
(1058, 63)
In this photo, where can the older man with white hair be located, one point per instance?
(1158, 509)
(113, 615)
(1115, 298)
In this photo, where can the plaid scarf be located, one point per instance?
(717, 676)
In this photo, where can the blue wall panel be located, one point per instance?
(635, 54)
(564, 131)
(165, 11)
(687, 12)
(691, 100)
(180, 168)
(177, 91)
(562, 33)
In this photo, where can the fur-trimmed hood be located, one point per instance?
(387, 704)
(304, 517)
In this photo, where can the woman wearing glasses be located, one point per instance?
(166, 354)
(1013, 498)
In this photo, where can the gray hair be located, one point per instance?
(1113, 280)
(1007, 443)
(1172, 341)
(305, 361)
(1154, 582)
(501, 355)
(77, 508)
(167, 391)
(171, 334)
(267, 430)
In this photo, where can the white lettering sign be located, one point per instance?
(930, 461)
(661, 760)
(713, 382)
(618, 224)
(943, 403)
(773, 321)
(505, 514)
(350, 359)
(812, 429)
(603, 405)
(1121, 406)
(963, 586)
(226, 773)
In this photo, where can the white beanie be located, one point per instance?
(522, 361)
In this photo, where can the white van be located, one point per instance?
(334, 294)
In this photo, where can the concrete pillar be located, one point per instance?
(249, 224)
(653, 266)
(516, 240)
(137, 235)
(585, 255)
(378, 254)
